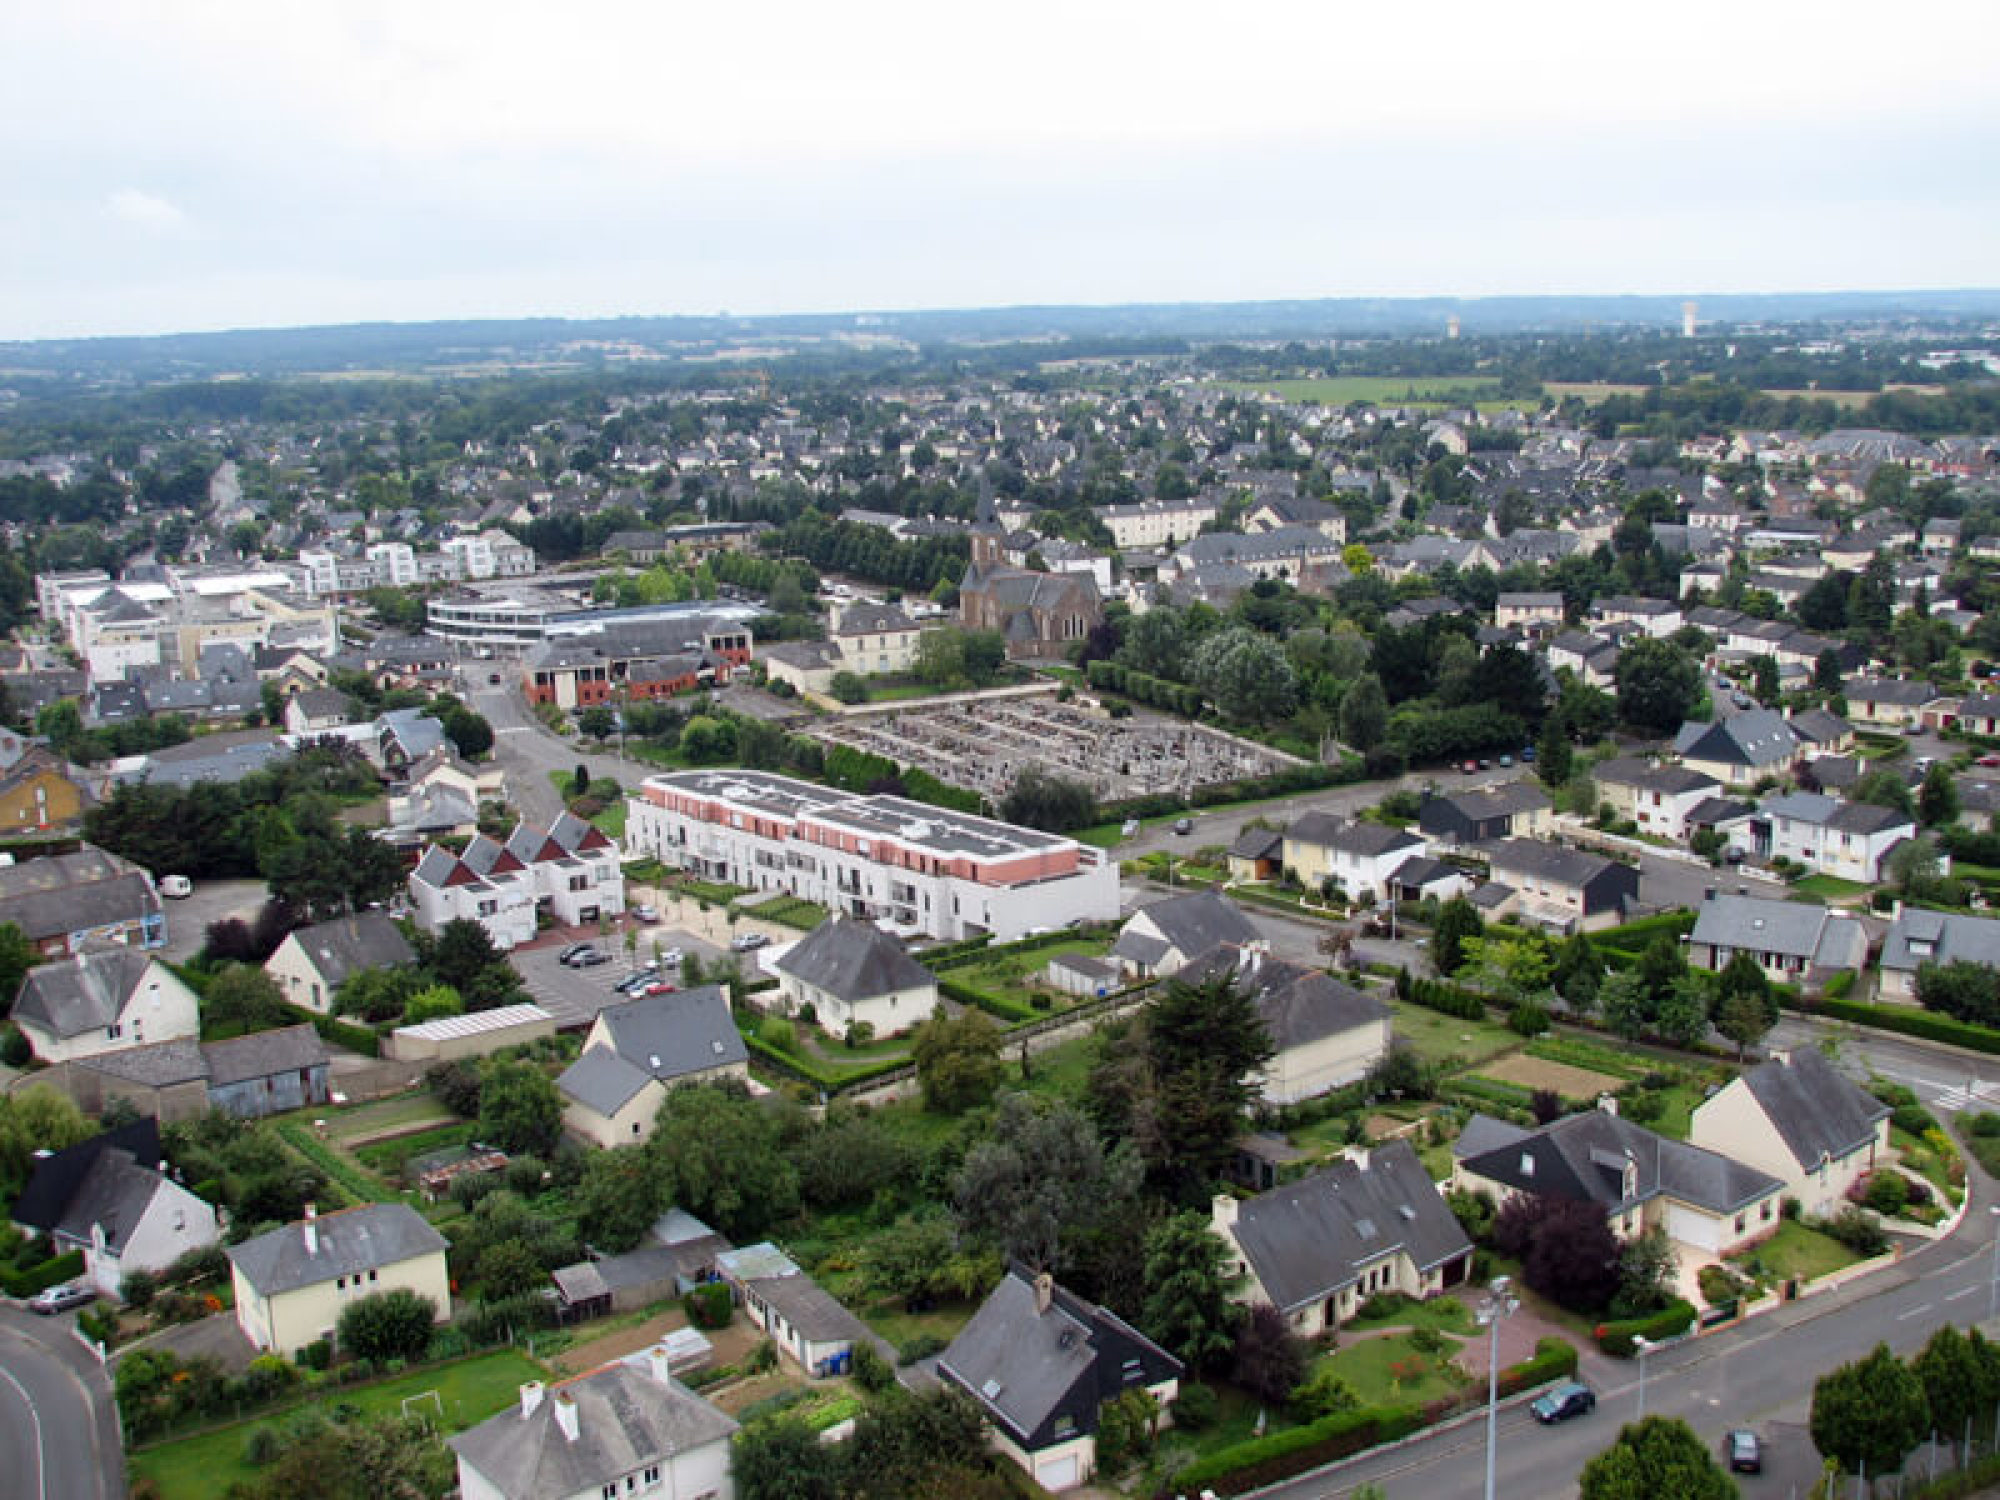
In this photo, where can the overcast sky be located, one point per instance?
(210, 165)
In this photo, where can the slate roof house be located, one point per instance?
(65, 901)
(1741, 748)
(1657, 798)
(636, 1051)
(1326, 1032)
(1705, 1201)
(1040, 1362)
(1848, 840)
(1512, 809)
(627, 1428)
(1791, 941)
(1358, 857)
(103, 1000)
(1921, 937)
(312, 963)
(1318, 1247)
(1563, 889)
(1802, 1120)
(291, 1284)
(1157, 940)
(108, 1198)
(852, 972)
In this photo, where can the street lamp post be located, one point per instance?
(1993, 1286)
(1645, 1346)
(1496, 1307)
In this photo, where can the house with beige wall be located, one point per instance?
(312, 963)
(292, 1284)
(635, 1052)
(1324, 1032)
(1803, 1121)
(103, 1000)
(853, 973)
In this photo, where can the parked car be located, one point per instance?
(176, 887)
(1183, 826)
(658, 987)
(1527, 755)
(1746, 1454)
(747, 942)
(672, 958)
(571, 952)
(638, 979)
(1506, 761)
(1129, 828)
(493, 679)
(1989, 760)
(1469, 767)
(646, 914)
(1741, 700)
(588, 958)
(62, 1298)
(1567, 1400)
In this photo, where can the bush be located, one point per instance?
(1886, 1192)
(315, 1356)
(709, 1305)
(1280, 1455)
(1196, 1408)
(1720, 1285)
(1528, 1019)
(1985, 1124)
(1854, 1229)
(1385, 1305)
(923, 1346)
(1619, 1339)
(138, 1289)
(1910, 1022)
(1913, 1118)
(872, 1372)
(387, 1325)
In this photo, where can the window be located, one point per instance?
(1739, 1223)
(652, 1474)
(611, 1491)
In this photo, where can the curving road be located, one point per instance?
(58, 1429)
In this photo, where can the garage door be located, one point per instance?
(1059, 1473)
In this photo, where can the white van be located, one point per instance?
(176, 887)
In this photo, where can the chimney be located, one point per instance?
(660, 1364)
(1045, 1287)
(311, 1228)
(531, 1398)
(566, 1414)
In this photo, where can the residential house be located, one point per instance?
(1257, 855)
(1792, 942)
(1324, 1033)
(571, 870)
(1532, 614)
(1803, 1121)
(292, 1284)
(445, 888)
(314, 711)
(1979, 713)
(1741, 748)
(1656, 617)
(807, 1322)
(627, 1428)
(1360, 858)
(312, 963)
(1319, 1246)
(65, 902)
(876, 639)
(635, 1052)
(1563, 889)
(1160, 939)
(1506, 810)
(1706, 1202)
(852, 973)
(103, 1000)
(1591, 657)
(1041, 1362)
(38, 791)
(1156, 523)
(1823, 733)
(1658, 798)
(109, 1198)
(1847, 840)
(1279, 512)
(1888, 702)
(1920, 937)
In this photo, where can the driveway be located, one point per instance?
(212, 901)
(219, 1337)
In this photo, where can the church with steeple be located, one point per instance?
(1039, 615)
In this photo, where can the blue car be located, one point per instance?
(1528, 756)
(1565, 1401)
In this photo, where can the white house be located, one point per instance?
(1803, 1121)
(1657, 798)
(1848, 840)
(626, 1428)
(292, 1284)
(103, 1000)
(1361, 858)
(571, 870)
(853, 973)
(312, 963)
(1160, 939)
(109, 1198)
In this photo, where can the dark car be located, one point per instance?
(569, 954)
(585, 957)
(1746, 1454)
(493, 679)
(1567, 1400)
(638, 979)
(1183, 825)
(747, 942)
(57, 1299)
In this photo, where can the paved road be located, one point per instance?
(1944, 1079)
(528, 752)
(1758, 1375)
(58, 1431)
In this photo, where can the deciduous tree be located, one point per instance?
(1653, 1458)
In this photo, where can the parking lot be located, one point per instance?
(575, 996)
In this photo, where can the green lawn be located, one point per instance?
(1446, 1313)
(789, 911)
(1383, 390)
(1011, 973)
(387, 1116)
(1798, 1251)
(1437, 1036)
(1920, 1158)
(611, 820)
(1389, 1370)
(387, 1157)
(1830, 887)
(210, 1462)
(1058, 1073)
(1678, 1119)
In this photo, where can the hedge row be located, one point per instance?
(39, 1278)
(1450, 999)
(986, 1000)
(1110, 676)
(1266, 1460)
(958, 955)
(1636, 936)
(1617, 1339)
(1908, 1021)
(347, 1034)
(805, 1070)
(1487, 1091)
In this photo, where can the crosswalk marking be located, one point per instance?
(1963, 1096)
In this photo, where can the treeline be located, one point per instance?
(870, 553)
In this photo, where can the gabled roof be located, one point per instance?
(264, 1054)
(1298, 1005)
(1190, 924)
(1505, 799)
(440, 868)
(1674, 781)
(602, 1080)
(1308, 1238)
(355, 1239)
(113, 1196)
(1920, 937)
(85, 993)
(853, 960)
(345, 947)
(626, 1420)
(1584, 1156)
(1816, 1109)
(1350, 836)
(1756, 737)
(577, 835)
(683, 1031)
(57, 1177)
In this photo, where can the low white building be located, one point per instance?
(853, 973)
(292, 1284)
(1847, 840)
(103, 1000)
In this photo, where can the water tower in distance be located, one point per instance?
(1451, 326)
(1690, 311)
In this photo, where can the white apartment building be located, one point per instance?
(1155, 523)
(395, 563)
(905, 866)
(571, 870)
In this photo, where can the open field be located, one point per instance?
(1541, 1073)
(1592, 390)
(1382, 390)
(1437, 1037)
(209, 1463)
